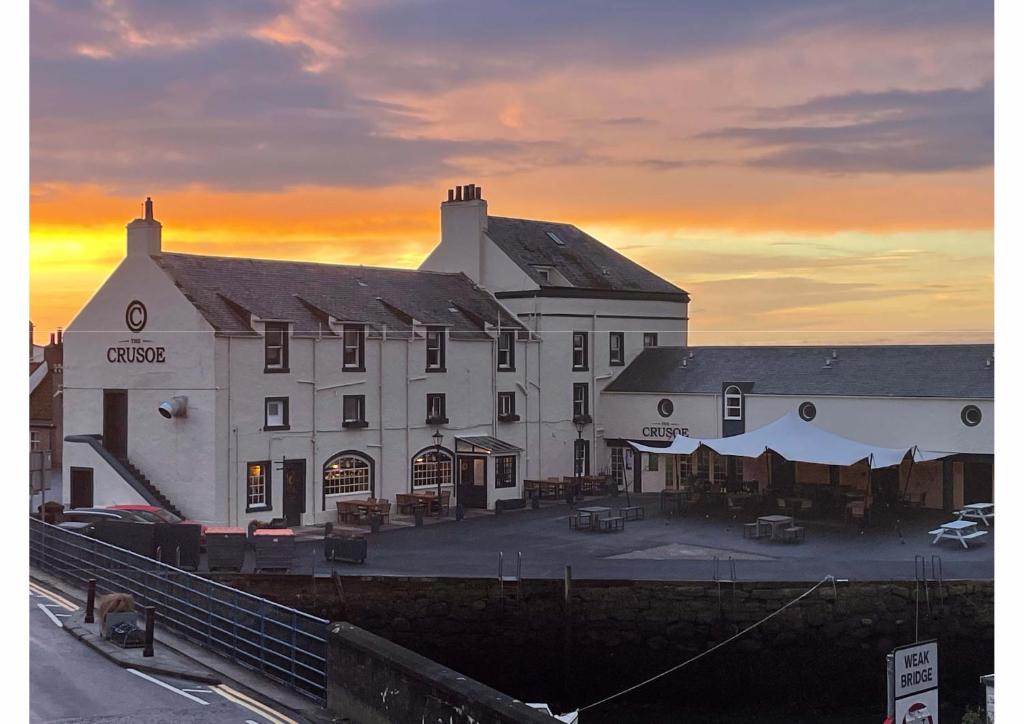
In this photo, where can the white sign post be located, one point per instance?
(914, 683)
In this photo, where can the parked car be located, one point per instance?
(94, 515)
(154, 514)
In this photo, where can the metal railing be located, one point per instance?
(285, 644)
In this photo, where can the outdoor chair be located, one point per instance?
(805, 507)
(384, 512)
(793, 534)
(780, 503)
(734, 508)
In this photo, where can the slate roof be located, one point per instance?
(953, 371)
(228, 290)
(583, 260)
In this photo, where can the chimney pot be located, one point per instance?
(479, 192)
(458, 193)
(451, 194)
(149, 209)
(53, 338)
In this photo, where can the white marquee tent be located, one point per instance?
(798, 441)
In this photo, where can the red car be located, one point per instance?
(153, 514)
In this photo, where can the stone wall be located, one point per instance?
(540, 646)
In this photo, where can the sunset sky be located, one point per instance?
(809, 171)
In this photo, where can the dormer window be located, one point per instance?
(275, 347)
(733, 403)
(435, 349)
(353, 340)
(545, 275)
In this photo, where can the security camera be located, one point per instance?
(175, 407)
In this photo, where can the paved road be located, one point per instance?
(681, 548)
(69, 682)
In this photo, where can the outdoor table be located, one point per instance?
(959, 530)
(978, 511)
(350, 508)
(429, 500)
(775, 522)
(589, 514)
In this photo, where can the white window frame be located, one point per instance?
(282, 348)
(435, 335)
(34, 441)
(278, 419)
(733, 403)
(653, 336)
(427, 465)
(620, 357)
(579, 350)
(256, 486)
(580, 407)
(506, 351)
(499, 462)
(353, 474)
(360, 406)
(353, 340)
(618, 466)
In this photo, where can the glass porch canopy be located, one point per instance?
(798, 441)
(484, 445)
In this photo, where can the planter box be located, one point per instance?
(274, 548)
(351, 549)
(225, 548)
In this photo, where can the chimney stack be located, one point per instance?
(463, 226)
(144, 235)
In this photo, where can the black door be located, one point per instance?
(637, 458)
(81, 487)
(294, 491)
(472, 481)
(977, 483)
(115, 422)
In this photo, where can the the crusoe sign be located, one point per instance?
(136, 350)
(914, 683)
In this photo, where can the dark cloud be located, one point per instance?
(896, 131)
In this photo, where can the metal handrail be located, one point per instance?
(283, 643)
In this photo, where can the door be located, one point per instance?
(977, 483)
(81, 488)
(115, 422)
(294, 503)
(581, 457)
(472, 481)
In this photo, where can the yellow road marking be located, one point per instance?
(252, 705)
(59, 600)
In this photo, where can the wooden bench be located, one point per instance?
(793, 534)
(632, 512)
(407, 503)
(608, 525)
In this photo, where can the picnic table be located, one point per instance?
(774, 522)
(585, 517)
(978, 511)
(958, 530)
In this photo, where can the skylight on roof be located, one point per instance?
(554, 237)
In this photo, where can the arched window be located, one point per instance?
(348, 472)
(733, 403)
(430, 467)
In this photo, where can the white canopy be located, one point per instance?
(795, 440)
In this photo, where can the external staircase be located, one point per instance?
(134, 477)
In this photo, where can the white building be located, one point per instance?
(232, 389)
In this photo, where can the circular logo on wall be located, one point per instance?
(807, 411)
(666, 408)
(135, 315)
(971, 415)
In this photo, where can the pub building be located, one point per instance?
(232, 389)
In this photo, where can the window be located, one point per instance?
(554, 237)
(652, 462)
(34, 442)
(436, 409)
(616, 349)
(733, 403)
(507, 407)
(431, 467)
(710, 466)
(579, 350)
(257, 486)
(275, 413)
(353, 411)
(545, 275)
(275, 347)
(650, 339)
(618, 467)
(505, 471)
(435, 349)
(347, 473)
(354, 343)
(580, 402)
(581, 457)
(506, 351)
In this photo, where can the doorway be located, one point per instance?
(294, 495)
(81, 488)
(115, 423)
(473, 481)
